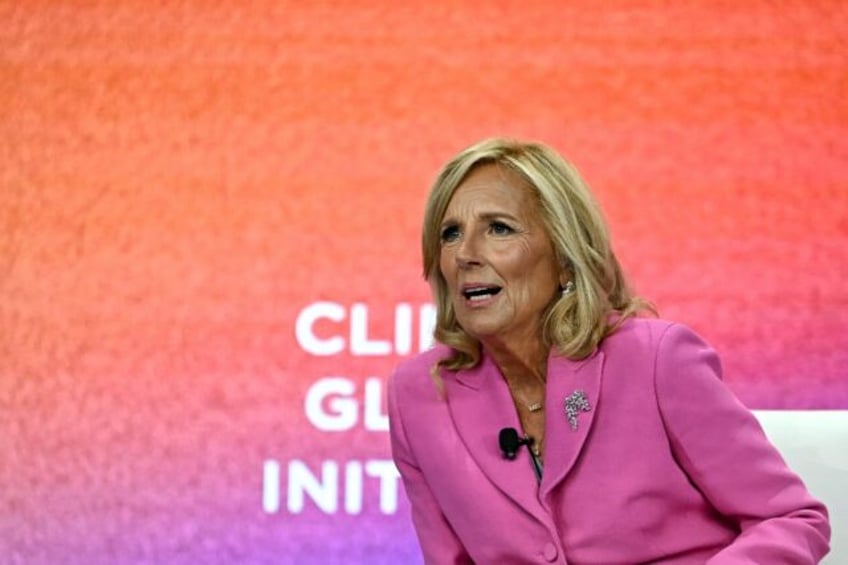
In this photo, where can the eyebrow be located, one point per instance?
(485, 216)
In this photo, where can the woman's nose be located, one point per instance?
(468, 252)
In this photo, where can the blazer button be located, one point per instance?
(550, 551)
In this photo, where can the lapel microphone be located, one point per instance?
(510, 442)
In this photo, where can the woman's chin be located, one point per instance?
(485, 333)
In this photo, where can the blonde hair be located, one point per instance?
(574, 323)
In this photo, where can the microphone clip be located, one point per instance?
(510, 442)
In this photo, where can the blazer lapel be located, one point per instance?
(569, 382)
(480, 405)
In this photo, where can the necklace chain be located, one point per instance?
(531, 406)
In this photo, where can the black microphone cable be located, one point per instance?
(510, 442)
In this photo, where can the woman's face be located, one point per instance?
(497, 258)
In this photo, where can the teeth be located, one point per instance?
(480, 293)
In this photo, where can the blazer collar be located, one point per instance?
(480, 405)
(572, 380)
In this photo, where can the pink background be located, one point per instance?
(179, 180)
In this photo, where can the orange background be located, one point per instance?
(179, 180)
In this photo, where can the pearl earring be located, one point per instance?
(569, 288)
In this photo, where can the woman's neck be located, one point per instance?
(519, 363)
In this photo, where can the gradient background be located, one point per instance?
(178, 180)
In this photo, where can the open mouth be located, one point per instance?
(479, 293)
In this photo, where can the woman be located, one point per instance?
(553, 425)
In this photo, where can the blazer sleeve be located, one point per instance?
(721, 446)
(439, 543)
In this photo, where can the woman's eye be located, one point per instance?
(450, 233)
(500, 228)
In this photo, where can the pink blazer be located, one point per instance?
(667, 466)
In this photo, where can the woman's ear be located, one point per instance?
(566, 274)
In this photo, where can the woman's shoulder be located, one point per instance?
(420, 365)
(650, 333)
(413, 377)
(424, 360)
(636, 327)
(656, 346)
